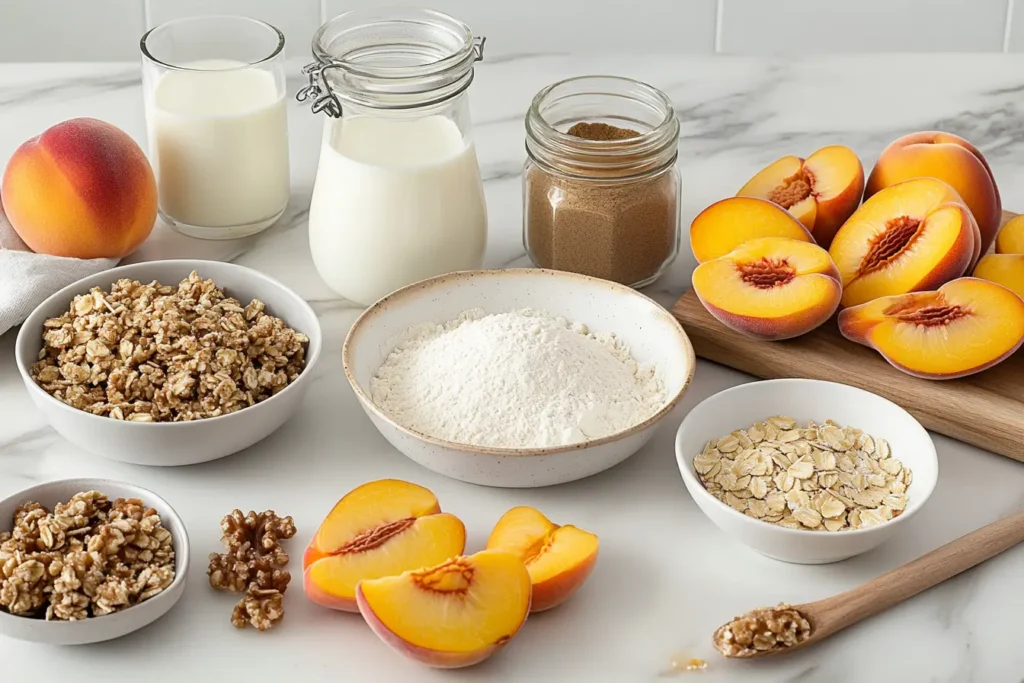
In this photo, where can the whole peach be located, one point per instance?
(950, 158)
(82, 189)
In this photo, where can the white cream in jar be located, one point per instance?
(395, 201)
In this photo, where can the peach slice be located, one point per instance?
(913, 236)
(966, 326)
(770, 288)
(950, 158)
(1011, 237)
(451, 615)
(382, 528)
(1004, 269)
(821, 191)
(559, 558)
(728, 223)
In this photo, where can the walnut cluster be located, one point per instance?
(253, 564)
(762, 630)
(87, 558)
(160, 353)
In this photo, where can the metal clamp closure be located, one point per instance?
(324, 99)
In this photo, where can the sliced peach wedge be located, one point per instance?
(770, 288)
(379, 529)
(728, 223)
(1004, 269)
(821, 191)
(559, 558)
(964, 327)
(1010, 239)
(451, 615)
(912, 236)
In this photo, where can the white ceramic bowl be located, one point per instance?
(114, 625)
(651, 332)
(174, 443)
(803, 400)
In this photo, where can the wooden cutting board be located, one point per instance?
(986, 409)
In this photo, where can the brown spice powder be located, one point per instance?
(620, 230)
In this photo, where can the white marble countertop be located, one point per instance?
(666, 576)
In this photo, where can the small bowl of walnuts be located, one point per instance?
(169, 362)
(88, 560)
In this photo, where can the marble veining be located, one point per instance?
(666, 577)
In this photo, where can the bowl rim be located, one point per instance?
(689, 476)
(182, 559)
(439, 280)
(70, 291)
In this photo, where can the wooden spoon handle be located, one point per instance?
(840, 611)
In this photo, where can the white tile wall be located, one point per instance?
(82, 30)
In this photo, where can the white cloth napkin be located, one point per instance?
(27, 278)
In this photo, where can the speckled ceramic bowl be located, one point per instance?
(114, 625)
(651, 332)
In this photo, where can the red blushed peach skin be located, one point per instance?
(913, 236)
(82, 189)
(949, 158)
(770, 288)
(1011, 237)
(966, 326)
(382, 528)
(728, 223)
(820, 192)
(1004, 269)
(559, 558)
(454, 614)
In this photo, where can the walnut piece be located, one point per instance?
(253, 565)
(87, 558)
(762, 630)
(160, 353)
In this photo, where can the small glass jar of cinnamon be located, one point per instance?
(600, 184)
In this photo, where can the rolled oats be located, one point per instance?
(762, 630)
(87, 558)
(819, 477)
(160, 353)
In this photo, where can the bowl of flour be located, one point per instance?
(517, 377)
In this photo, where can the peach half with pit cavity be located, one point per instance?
(559, 558)
(964, 327)
(912, 236)
(728, 223)
(382, 528)
(770, 288)
(454, 614)
(821, 191)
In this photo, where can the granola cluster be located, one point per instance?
(161, 353)
(87, 558)
(764, 629)
(253, 565)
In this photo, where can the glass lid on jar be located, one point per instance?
(390, 58)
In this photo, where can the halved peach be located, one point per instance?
(728, 223)
(950, 158)
(770, 288)
(454, 614)
(559, 558)
(1011, 237)
(382, 528)
(913, 236)
(966, 326)
(1004, 269)
(821, 191)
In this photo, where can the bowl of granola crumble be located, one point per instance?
(169, 362)
(88, 560)
(806, 471)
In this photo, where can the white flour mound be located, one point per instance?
(523, 379)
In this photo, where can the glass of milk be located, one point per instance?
(398, 195)
(218, 133)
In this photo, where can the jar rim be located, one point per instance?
(147, 53)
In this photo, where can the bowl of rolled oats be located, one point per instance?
(88, 560)
(169, 362)
(806, 471)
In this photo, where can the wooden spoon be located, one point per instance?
(833, 614)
